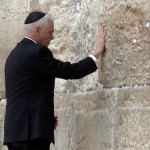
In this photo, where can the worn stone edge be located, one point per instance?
(2, 95)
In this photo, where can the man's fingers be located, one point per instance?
(102, 30)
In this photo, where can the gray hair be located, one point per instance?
(41, 22)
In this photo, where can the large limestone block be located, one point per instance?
(12, 18)
(94, 114)
(104, 119)
(101, 131)
(82, 130)
(64, 131)
(126, 61)
(93, 131)
(95, 100)
(137, 97)
(133, 129)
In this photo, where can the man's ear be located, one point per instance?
(37, 30)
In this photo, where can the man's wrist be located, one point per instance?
(93, 57)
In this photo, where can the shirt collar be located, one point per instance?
(31, 39)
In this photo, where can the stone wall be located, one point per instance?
(109, 109)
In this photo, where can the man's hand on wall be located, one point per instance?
(100, 44)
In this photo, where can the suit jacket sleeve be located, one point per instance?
(47, 65)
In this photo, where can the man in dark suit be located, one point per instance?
(30, 73)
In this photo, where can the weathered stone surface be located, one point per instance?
(138, 97)
(64, 131)
(90, 116)
(101, 130)
(64, 111)
(96, 100)
(12, 19)
(82, 131)
(133, 130)
(2, 112)
(126, 60)
(95, 114)
(63, 101)
(2, 95)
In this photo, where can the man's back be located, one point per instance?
(27, 93)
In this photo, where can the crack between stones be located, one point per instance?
(126, 87)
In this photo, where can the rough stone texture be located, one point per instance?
(133, 131)
(64, 111)
(94, 120)
(109, 109)
(2, 95)
(2, 112)
(127, 51)
(134, 98)
(12, 16)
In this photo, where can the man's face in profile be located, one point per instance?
(46, 33)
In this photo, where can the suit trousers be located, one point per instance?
(36, 144)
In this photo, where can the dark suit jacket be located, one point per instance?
(30, 73)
